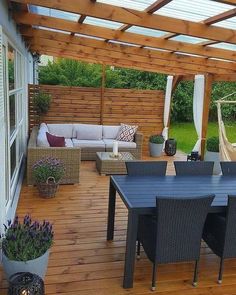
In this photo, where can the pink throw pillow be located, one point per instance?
(55, 141)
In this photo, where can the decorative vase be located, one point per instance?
(215, 157)
(37, 266)
(170, 147)
(48, 189)
(155, 149)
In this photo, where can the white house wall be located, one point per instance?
(9, 30)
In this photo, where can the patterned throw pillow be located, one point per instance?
(126, 132)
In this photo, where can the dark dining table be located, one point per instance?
(139, 196)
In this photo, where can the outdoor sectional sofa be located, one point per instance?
(92, 139)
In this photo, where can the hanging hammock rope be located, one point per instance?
(227, 149)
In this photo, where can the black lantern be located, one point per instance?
(194, 156)
(25, 283)
(170, 147)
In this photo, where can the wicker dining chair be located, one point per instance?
(220, 234)
(174, 234)
(141, 168)
(193, 168)
(228, 168)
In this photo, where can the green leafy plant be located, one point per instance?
(42, 102)
(46, 168)
(159, 139)
(212, 144)
(27, 240)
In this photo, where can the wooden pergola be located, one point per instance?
(110, 40)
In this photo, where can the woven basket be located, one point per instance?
(48, 189)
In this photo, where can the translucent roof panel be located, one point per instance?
(146, 32)
(229, 23)
(122, 43)
(132, 4)
(224, 46)
(51, 30)
(102, 23)
(193, 10)
(188, 39)
(90, 37)
(54, 13)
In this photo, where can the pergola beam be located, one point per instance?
(85, 29)
(43, 43)
(109, 61)
(130, 51)
(139, 18)
(220, 17)
(229, 2)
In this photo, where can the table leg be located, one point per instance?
(130, 249)
(111, 212)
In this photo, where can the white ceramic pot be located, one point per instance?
(215, 157)
(37, 266)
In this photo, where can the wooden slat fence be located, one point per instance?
(83, 105)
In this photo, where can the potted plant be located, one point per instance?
(212, 153)
(25, 246)
(156, 145)
(47, 172)
(42, 102)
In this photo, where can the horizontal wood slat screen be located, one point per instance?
(83, 105)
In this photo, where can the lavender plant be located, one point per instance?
(27, 240)
(48, 167)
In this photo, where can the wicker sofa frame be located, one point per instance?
(70, 156)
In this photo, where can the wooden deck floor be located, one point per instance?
(82, 262)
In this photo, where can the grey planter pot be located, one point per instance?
(155, 149)
(37, 266)
(215, 157)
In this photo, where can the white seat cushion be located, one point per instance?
(110, 132)
(69, 143)
(65, 130)
(121, 144)
(42, 140)
(88, 131)
(83, 143)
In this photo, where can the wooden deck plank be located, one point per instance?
(83, 262)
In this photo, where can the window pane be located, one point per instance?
(13, 158)
(11, 67)
(12, 110)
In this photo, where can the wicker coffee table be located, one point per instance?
(106, 164)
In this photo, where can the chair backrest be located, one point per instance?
(228, 168)
(180, 223)
(157, 168)
(193, 168)
(230, 230)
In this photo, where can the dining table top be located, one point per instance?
(140, 192)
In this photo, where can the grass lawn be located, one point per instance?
(186, 136)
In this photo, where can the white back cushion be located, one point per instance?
(65, 130)
(88, 132)
(110, 132)
(42, 138)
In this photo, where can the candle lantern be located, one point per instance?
(25, 283)
(194, 156)
(170, 147)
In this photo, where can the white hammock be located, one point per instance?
(227, 149)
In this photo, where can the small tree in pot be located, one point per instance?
(156, 143)
(25, 246)
(47, 173)
(212, 153)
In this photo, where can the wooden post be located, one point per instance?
(206, 108)
(102, 92)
